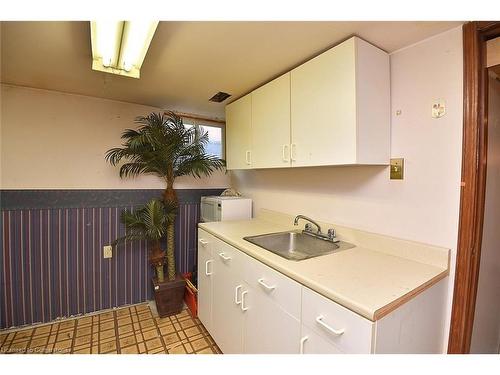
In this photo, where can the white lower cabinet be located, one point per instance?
(205, 274)
(312, 343)
(227, 314)
(347, 331)
(250, 308)
(268, 329)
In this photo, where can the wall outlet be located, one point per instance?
(438, 108)
(108, 251)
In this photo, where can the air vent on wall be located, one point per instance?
(219, 97)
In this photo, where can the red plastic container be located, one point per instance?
(191, 297)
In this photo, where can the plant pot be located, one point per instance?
(169, 296)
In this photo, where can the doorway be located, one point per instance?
(472, 200)
(486, 327)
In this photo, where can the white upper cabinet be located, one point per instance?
(238, 133)
(332, 110)
(340, 107)
(271, 124)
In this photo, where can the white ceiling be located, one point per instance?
(187, 62)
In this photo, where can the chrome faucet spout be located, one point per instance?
(296, 222)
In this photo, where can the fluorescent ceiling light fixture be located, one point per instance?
(119, 47)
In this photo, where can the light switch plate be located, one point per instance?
(108, 251)
(397, 168)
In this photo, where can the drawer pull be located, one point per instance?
(248, 159)
(243, 307)
(336, 332)
(285, 153)
(268, 287)
(236, 292)
(206, 267)
(224, 257)
(302, 342)
(203, 242)
(293, 152)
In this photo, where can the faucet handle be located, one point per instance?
(308, 227)
(332, 233)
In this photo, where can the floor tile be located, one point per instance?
(106, 334)
(128, 330)
(150, 334)
(83, 331)
(125, 329)
(177, 350)
(130, 350)
(127, 341)
(83, 340)
(153, 344)
(107, 347)
(125, 320)
(45, 330)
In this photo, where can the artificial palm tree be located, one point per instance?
(149, 223)
(163, 146)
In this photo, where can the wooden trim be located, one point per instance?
(200, 118)
(383, 311)
(473, 185)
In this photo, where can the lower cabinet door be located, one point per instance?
(268, 329)
(312, 343)
(227, 316)
(205, 274)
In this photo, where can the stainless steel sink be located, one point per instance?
(297, 245)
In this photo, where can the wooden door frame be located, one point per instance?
(473, 185)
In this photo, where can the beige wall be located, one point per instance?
(424, 206)
(486, 329)
(53, 140)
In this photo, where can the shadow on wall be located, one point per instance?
(343, 180)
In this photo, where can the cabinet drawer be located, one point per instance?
(205, 242)
(227, 258)
(275, 286)
(344, 329)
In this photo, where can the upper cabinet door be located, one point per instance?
(331, 110)
(340, 103)
(238, 133)
(271, 124)
(323, 108)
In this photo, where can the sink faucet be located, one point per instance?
(331, 236)
(308, 226)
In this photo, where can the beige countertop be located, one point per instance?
(369, 281)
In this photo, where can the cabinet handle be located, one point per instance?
(236, 290)
(248, 158)
(302, 342)
(243, 307)
(268, 287)
(206, 267)
(203, 242)
(285, 153)
(293, 152)
(224, 257)
(336, 332)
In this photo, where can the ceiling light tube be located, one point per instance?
(119, 47)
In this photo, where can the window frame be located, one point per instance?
(210, 123)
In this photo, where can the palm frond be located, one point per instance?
(201, 165)
(148, 222)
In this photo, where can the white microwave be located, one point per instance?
(217, 208)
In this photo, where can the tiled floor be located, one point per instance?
(128, 330)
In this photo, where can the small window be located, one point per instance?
(215, 144)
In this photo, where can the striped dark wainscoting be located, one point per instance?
(51, 262)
